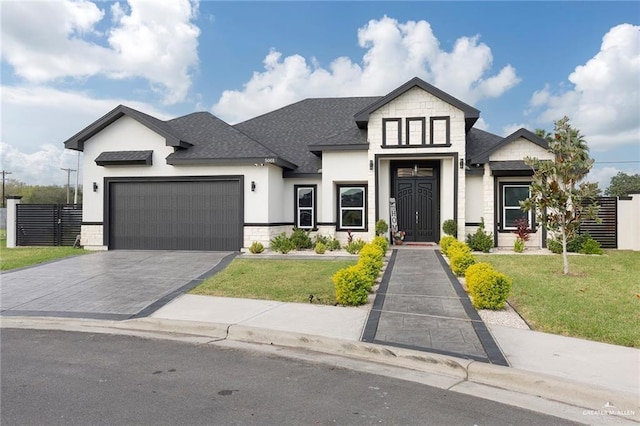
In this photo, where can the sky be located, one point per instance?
(66, 63)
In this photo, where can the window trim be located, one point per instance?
(313, 208)
(384, 130)
(503, 208)
(364, 208)
(447, 135)
(423, 124)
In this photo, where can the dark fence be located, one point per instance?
(605, 232)
(48, 224)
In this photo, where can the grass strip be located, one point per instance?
(284, 280)
(599, 300)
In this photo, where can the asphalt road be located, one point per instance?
(53, 377)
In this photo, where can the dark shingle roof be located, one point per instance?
(483, 156)
(118, 158)
(479, 141)
(213, 139)
(350, 139)
(289, 131)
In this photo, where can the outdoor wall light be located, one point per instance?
(253, 186)
(370, 164)
(95, 187)
(462, 163)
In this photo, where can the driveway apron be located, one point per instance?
(119, 284)
(421, 305)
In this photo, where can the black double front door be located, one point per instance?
(416, 205)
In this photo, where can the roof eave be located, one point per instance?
(318, 149)
(256, 161)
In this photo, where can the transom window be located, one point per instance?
(414, 171)
(305, 204)
(352, 206)
(512, 194)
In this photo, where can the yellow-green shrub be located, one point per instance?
(460, 261)
(445, 242)
(476, 273)
(352, 285)
(381, 242)
(456, 247)
(488, 289)
(371, 261)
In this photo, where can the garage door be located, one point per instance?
(180, 215)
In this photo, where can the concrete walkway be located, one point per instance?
(420, 305)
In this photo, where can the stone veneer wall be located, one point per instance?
(91, 237)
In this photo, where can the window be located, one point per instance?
(305, 204)
(352, 213)
(511, 195)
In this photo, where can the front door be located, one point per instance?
(416, 203)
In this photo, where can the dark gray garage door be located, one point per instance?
(181, 215)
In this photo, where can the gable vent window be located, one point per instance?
(305, 203)
(352, 212)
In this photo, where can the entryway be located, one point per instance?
(416, 192)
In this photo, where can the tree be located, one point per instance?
(622, 185)
(557, 189)
(36, 194)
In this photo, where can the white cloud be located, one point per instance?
(37, 120)
(604, 102)
(395, 52)
(602, 176)
(49, 41)
(510, 128)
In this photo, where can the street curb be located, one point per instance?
(549, 387)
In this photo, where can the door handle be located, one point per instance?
(416, 217)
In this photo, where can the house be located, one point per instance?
(330, 165)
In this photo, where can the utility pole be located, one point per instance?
(4, 173)
(68, 180)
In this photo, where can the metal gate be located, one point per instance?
(48, 224)
(605, 232)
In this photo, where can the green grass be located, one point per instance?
(275, 279)
(599, 300)
(26, 256)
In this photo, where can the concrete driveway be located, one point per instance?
(116, 285)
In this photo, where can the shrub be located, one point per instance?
(256, 247)
(480, 241)
(282, 244)
(455, 247)
(382, 242)
(522, 229)
(518, 245)
(476, 273)
(381, 227)
(371, 260)
(354, 246)
(319, 238)
(450, 227)
(591, 246)
(445, 243)
(351, 286)
(574, 245)
(333, 244)
(301, 239)
(460, 261)
(320, 248)
(489, 289)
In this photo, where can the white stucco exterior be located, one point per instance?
(432, 133)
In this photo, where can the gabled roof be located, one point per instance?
(216, 141)
(483, 156)
(77, 141)
(471, 114)
(292, 131)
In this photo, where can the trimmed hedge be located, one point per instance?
(488, 289)
(445, 243)
(352, 284)
(460, 261)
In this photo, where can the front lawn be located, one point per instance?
(285, 280)
(599, 300)
(26, 256)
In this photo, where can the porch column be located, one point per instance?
(489, 197)
(12, 219)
